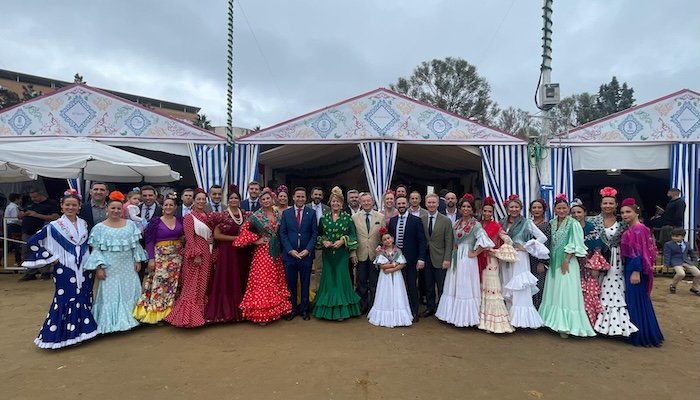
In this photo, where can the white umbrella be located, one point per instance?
(81, 157)
(12, 173)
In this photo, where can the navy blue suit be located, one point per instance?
(414, 249)
(245, 204)
(299, 238)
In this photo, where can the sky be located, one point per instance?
(293, 57)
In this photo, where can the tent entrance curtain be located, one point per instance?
(209, 164)
(684, 176)
(379, 159)
(506, 171)
(562, 169)
(244, 165)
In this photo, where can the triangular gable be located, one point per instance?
(672, 118)
(78, 110)
(380, 115)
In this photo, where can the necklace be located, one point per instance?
(238, 220)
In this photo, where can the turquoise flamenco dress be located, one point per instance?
(336, 299)
(116, 250)
(562, 307)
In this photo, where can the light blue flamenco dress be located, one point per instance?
(116, 250)
(69, 320)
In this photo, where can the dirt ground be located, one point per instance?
(344, 360)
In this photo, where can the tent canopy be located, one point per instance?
(78, 110)
(380, 115)
(82, 157)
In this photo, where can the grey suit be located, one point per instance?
(440, 245)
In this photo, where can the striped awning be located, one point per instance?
(506, 171)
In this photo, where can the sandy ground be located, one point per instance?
(344, 360)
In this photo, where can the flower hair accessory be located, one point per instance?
(576, 203)
(136, 189)
(171, 196)
(469, 197)
(199, 190)
(282, 188)
(232, 188)
(117, 196)
(489, 201)
(511, 198)
(560, 196)
(383, 231)
(608, 192)
(72, 192)
(629, 202)
(389, 191)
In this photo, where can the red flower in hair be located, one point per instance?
(608, 192)
(233, 188)
(468, 197)
(383, 231)
(117, 196)
(561, 196)
(629, 202)
(199, 190)
(489, 201)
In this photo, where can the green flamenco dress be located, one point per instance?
(336, 299)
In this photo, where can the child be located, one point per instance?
(391, 306)
(677, 254)
(132, 209)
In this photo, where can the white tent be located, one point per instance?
(12, 173)
(80, 157)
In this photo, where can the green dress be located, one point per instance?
(562, 307)
(336, 299)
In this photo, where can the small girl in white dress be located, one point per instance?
(391, 307)
(132, 208)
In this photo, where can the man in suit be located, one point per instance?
(451, 207)
(216, 194)
(414, 200)
(673, 214)
(187, 198)
(353, 205)
(443, 201)
(679, 255)
(252, 203)
(367, 225)
(149, 209)
(410, 238)
(94, 210)
(440, 237)
(298, 231)
(319, 208)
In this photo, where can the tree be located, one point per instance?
(453, 85)
(203, 122)
(586, 110)
(77, 78)
(516, 121)
(563, 116)
(611, 98)
(28, 92)
(8, 98)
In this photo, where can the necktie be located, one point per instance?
(148, 214)
(399, 232)
(367, 221)
(430, 226)
(299, 217)
(216, 207)
(253, 204)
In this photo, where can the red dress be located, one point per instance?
(188, 310)
(266, 297)
(492, 228)
(230, 276)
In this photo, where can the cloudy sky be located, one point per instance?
(292, 57)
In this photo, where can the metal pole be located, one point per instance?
(229, 94)
(544, 167)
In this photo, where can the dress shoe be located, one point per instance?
(672, 289)
(695, 291)
(364, 310)
(306, 317)
(28, 277)
(46, 275)
(290, 316)
(427, 313)
(416, 318)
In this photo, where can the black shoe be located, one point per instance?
(46, 275)
(672, 289)
(364, 310)
(290, 316)
(427, 313)
(416, 318)
(306, 317)
(695, 291)
(29, 276)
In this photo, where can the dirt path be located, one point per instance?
(344, 360)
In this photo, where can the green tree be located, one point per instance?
(77, 78)
(586, 109)
(453, 85)
(8, 98)
(613, 98)
(28, 92)
(516, 121)
(203, 122)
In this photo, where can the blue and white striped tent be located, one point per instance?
(381, 123)
(660, 134)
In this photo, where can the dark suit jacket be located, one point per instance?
(245, 205)
(673, 256)
(442, 206)
(178, 211)
(294, 237)
(675, 210)
(157, 213)
(414, 243)
(86, 214)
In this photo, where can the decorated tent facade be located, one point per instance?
(660, 134)
(79, 110)
(381, 123)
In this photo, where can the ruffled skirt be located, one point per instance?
(391, 307)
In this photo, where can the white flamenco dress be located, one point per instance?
(391, 307)
(461, 296)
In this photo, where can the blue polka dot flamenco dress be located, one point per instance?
(69, 320)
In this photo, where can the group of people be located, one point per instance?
(262, 259)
